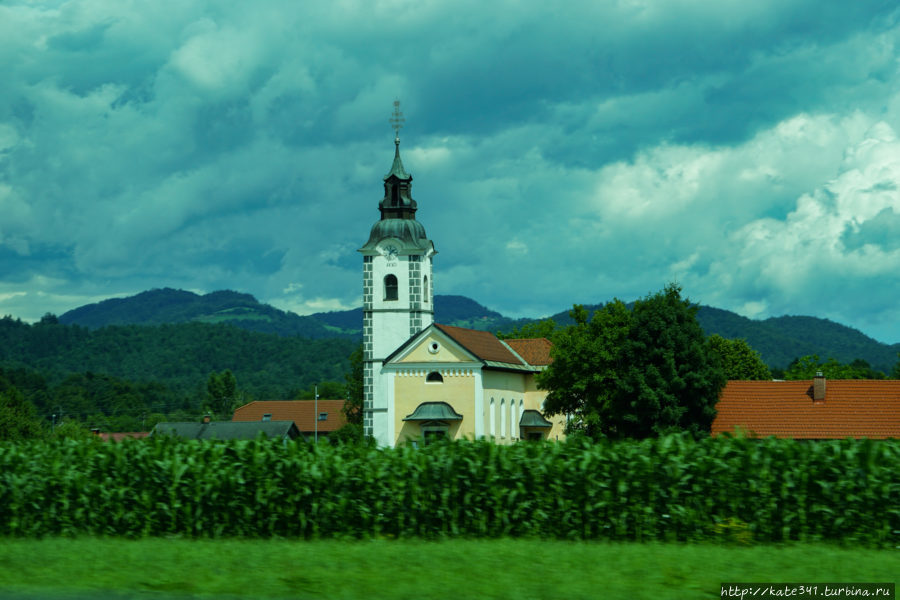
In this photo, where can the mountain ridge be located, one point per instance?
(778, 339)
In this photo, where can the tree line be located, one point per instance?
(633, 371)
(648, 369)
(125, 378)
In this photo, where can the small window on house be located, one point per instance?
(433, 432)
(425, 288)
(390, 287)
(434, 377)
(267, 417)
(323, 416)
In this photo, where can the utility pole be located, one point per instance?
(316, 413)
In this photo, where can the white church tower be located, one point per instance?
(398, 291)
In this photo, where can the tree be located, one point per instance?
(221, 393)
(895, 373)
(353, 408)
(331, 390)
(634, 373)
(806, 367)
(536, 329)
(352, 432)
(18, 417)
(739, 360)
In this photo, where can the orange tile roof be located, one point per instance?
(301, 412)
(483, 344)
(852, 408)
(535, 351)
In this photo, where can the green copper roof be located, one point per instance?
(397, 169)
(533, 418)
(405, 230)
(434, 411)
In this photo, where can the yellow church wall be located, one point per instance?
(457, 390)
(504, 387)
(509, 385)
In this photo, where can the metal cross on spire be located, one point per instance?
(397, 121)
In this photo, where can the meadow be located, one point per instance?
(399, 569)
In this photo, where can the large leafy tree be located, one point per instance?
(739, 360)
(18, 417)
(634, 373)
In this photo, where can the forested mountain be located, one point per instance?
(164, 306)
(448, 309)
(134, 369)
(778, 339)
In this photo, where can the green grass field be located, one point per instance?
(458, 569)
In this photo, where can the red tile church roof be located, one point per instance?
(483, 344)
(535, 351)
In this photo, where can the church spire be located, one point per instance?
(397, 202)
(396, 122)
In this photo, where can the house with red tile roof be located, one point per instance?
(465, 383)
(311, 417)
(810, 410)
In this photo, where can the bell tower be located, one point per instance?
(398, 290)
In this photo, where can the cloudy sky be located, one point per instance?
(562, 153)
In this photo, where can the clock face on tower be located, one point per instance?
(390, 252)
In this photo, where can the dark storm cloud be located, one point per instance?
(561, 155)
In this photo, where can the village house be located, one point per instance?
(810, 410)
(312, 418)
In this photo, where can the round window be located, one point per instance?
(433, 347)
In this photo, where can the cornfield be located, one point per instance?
(671, 488)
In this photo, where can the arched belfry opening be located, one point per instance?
(390, 287)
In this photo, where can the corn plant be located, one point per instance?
(671, 488)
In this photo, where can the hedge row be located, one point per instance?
(672, 488)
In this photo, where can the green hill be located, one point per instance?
(778, 339)
(136, 369)
(166, 306)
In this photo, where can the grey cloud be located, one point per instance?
(574, 154)
(882, 230)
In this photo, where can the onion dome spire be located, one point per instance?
(397, 202)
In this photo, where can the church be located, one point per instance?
(423, 380)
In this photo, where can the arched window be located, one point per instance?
(521, 412)
(502, 417)
(390, 287)
(434, 377)
(492, 419)
(425, 288)
(513, 424)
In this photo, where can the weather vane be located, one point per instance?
(396, 121)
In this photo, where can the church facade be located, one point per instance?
(421, 379)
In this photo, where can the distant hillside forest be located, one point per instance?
(779, 340)
(123, 364)
(118, 376)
